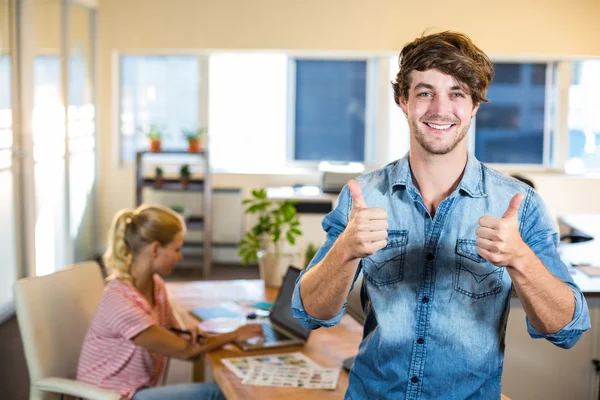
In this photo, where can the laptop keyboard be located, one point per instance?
(271, 335)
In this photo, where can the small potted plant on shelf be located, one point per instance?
(155, 137)
(184, 176)
(194, 138)
(277, 223)
(158, 177)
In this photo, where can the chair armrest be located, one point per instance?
(76, 388)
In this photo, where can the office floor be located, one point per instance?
(14, 379)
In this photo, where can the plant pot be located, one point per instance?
(272, 267)
(185, 182)
(193, 146)
(158, 182)
(155, 146)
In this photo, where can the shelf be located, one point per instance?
(167, 152)
(199, 183)
(196, 185)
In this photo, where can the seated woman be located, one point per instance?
(125, 347)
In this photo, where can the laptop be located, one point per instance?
(281, 328)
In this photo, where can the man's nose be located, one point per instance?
(441, 105)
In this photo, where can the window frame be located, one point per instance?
(371, 100)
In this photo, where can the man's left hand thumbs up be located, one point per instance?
(498, 239)
(513, 206)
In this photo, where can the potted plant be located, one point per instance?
(184, 176)
(277, 224)
(194, 138)
(158, 177)
(155, 137)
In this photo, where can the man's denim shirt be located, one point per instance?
(438, 309)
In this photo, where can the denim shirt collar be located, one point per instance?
(471, 183)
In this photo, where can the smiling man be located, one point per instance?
(441, 240)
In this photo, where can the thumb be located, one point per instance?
(513, 206)
(356, 193)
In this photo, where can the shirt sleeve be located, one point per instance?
(125, 316)
(540, 234)
(334, 224)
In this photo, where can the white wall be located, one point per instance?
(500, 28)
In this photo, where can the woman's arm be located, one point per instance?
(157, 339)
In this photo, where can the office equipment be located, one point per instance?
(281, 328)
(54, 312)
(335, 175)
(333, 182)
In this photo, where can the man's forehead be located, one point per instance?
(434, 78)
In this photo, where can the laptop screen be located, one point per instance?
(282, 309)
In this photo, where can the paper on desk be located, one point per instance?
(292, 376)
(240, 365)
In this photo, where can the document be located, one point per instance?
(240, 365)
(290, 376)
(283, 370)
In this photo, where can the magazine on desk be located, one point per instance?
(285, 370)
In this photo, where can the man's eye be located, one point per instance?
(424, 94)
(458, 95)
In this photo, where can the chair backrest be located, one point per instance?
(54, 313)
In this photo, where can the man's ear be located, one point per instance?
(403, 105)
(475, 109)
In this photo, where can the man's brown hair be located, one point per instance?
(451, 53)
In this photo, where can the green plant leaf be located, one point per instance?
(290, 238)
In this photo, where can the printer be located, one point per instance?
(335, 175)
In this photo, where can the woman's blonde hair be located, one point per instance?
(132, 230)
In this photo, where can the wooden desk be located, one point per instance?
(327, 347)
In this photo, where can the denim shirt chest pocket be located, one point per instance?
(386, 266)
(475, 277)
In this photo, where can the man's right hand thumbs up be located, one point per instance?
(366, 231)
(356, 193)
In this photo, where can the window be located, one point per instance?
(161, 91)
(247, 111)
(265, 111)
(583, 122)
(515, 114)
(330, 110)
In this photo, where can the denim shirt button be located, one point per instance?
(429, 256)
(414, 379)
(420, 340)
(425, 299)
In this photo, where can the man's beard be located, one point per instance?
(434, 147)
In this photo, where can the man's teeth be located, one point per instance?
(440, 127)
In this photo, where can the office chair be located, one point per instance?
(356, 298)
(54, 312)
(524, 180)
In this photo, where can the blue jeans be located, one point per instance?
(185, 391)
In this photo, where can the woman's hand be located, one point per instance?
(248, 331)
(195, 332)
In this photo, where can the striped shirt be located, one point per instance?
(109, 359)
